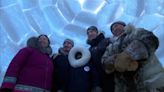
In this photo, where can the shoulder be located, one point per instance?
(105, 41)
(141, 32)
(24, 52)
(55, 55)
(27, 49)
(32, 42)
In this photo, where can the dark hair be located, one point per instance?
(46, 37)
(92, 28)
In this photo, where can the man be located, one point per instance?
(80, 70)
(62, 67)
(130, 57)
(98, 44)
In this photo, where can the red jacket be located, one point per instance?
(29, 69)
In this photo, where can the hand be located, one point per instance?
(124, 62)
(133, 66)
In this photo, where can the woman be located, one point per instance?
(31, 69)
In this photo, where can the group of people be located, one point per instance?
(125, 62)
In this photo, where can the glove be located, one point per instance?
(133, 66)
(97, 89)
(124, 62)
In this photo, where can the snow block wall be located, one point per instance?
(60, 19)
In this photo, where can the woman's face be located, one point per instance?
(43, 41)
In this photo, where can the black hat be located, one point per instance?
(117, 22)
(92, 28)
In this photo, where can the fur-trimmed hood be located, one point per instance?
(33, 43)
(61, 51)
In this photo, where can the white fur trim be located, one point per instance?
(79, 62)
(153, 73)
(155, 81)
(129, 28)
(152, 68)
(54, 56)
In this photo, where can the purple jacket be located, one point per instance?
(29, 68)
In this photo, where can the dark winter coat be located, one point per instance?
(61, 71)
(80, 79)
(70, 79)
(97, 49)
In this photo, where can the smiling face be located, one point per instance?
(67, 46)
(117, 29)
(43, 41)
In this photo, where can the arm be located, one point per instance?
(107, 60)
(14, 68)
(57, 84)
(102, 46)
(54, 81)
(95, 77)
(140, 49)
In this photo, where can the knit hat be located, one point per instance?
(69, 40)
(91, 28)
(117, 22)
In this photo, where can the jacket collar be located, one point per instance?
(96, 41)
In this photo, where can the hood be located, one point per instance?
(33, 43)
(61, 51)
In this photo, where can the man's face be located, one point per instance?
(43, 41)
(92, 34)
(67, 46)
(117, 29)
